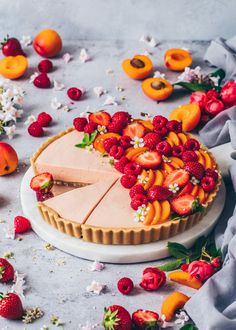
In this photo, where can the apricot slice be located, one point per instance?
(168, 167)
(159, 178)
(13, 67)
(183, 138)
(188, 114)
(151, 179)
(165, 210)
(194, 191)
(174, 138)
(185, 278)
(201, 159)
(134, 152)
(207, 158)
(178, 161)
(157, 89)
(98, 142)
(177, 59)
(157, 217)
(150, 214)
(147, 124)
(172, 303)
(139, 67)
(201, 195)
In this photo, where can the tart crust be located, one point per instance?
(121, 236)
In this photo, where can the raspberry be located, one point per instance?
(125, 141)
(108, 143)
(42, 81)
(90, 127)
(159, 121)
(138, 200)
(196, 169)
(158, 193)
(208, 183)
(174, 126)
(189, 156)
(212, 173)
(178, 151)
(21, 225)
(44, 119)
(74, 93)
(43, 196)
(216, 262)
(80, 123)
(116, 151)
(45, 66)
(120, 165)
(137, 189)
(122, 117)
(128, 181)
(151, 140)
(132, 168)
(162, 131)
(192, 144)
(35, 129)
(115, 127)
(164, 148)
(125, 285)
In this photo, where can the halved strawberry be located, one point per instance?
(186, 189)
(180, 176)
(144, 319)
(134, 129)
(149, 159)
(183, 205)
(42, 182)
(101, 118)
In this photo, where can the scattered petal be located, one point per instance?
(149, 40)
(58, 86)
(109, 71)
(26, 41)
(97, 266)
(9, 231)
(110, 100)
(10, 131)
(99, 91)
(55, 104)
(30, 119)
(95, 287)
(67, 57)
(84, 56)
(158, 74)
(19, 284)
(182, 318)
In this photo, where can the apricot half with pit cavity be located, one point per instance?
(177, 59)
(139, 67)
(157, 89)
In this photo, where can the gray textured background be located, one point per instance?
(123, 19)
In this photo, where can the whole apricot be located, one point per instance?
(8, 159)
(47, 43)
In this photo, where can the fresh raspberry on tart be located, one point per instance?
(177, 151)
(208, 183)
(110, 142)
(192, 144)
(158, 193)
(116, 151)
(159, 121)
(164, 148)
(162, 131)
(125, 141)
(120, 164)
(138, 200)
(132, 168)
(80, 123)
(212, 173)
(128, 181)
(174, 126)
(115, 127)
(121, 117)
(151, 140)
(137, 189)
(189, 156)
(90, 127)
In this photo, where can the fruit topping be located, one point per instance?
(120, 164)
(21, 225)
(212, 173)
(128, 181)
(101, 118)
(43, 181)
(134, 129)
(151, 140)
(43, 196)
(44, 119)
(138, 200)
(90, 127)
(179, 177)
(132, 168)
(208, 183)
(45, 66)
(145, 319)
(158, 193)
(110, 142)
(137, 189)
(149, 159)
(35, 129)
(164, 148)
(80, 123)
(116, 151)
(178, 151)
(125, 285)
(125, 141)
(162, 131)
(115, 127)
(42, 81)
(74, 93)
(189, 156)
(192, 144)
(174, 126)
(195, 169)
(121, 117)
(160, 121)
(184, 205)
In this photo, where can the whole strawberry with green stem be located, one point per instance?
(10, 306)
(6, 271)
(11, 47)
(116, 318)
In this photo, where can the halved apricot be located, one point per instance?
(98, 142)
(157, 89)
(172, 303)
(188, 114)
(139, 67)
(185, 278)
(13, 67)
(177, 59)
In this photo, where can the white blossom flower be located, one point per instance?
(140, 214)
(19, 284)
(84, 56)
(30, 119)
(109, 71)
(97, 266)
(110, 100)
(149, 40)
(9, 231)
(182, 317)
(215, 79)
(143, 179)
(166, 159)
(137, 142)
(99, 91)
(67, 57)
(58, 86)
(95, 287)
(174, 188)
(102, 129)
(194, 180)
(189, 74)
(10, 131)
(66, 108)
(26, 41)
(89, 148)
(55, 104)
(164, 324)
(158, 74)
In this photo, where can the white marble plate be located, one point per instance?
(112, 253)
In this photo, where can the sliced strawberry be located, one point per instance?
(101, 118)
(144, 319)
(149, 159)
(180, 176)
(43, 181)
(186, 189)
(183, 205)
(134, 129)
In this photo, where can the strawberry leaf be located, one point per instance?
(172, 265)
(177, 250)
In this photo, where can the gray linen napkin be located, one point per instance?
(213, 307)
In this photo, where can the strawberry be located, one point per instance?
(174, 126)
(11, 47)
(195, 169)
(102, 118)
(180, 176)
(125, 285)
(134, 129)
(208, 183)
(116, 151)
(10, 306)
(212, 173)
(80, 123)
(159, 121)
(164, 148)
(122, 117)
(137, 189)
(35, 129)
(186, 189)
(120, 165)
(151, 140)
(90, 128)
(128, 181)
(192, 144)
(115, 127)
(6, 271)
(183, 205)
(42, 81)
(216, 262)
(178, 151)
(44, 119)
(21, 225)
(158, 193)
(45, 66)
(116, 318)
(43, 196)
(74, 93)
(43, 181)
(132, 168)
(138, 200)
(149, 159)
(189, 156)
(145, 319)
(110, 142)
(125, 141)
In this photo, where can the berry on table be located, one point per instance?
(21, 225)
(125, 285)
(45, 66)
(74, 93)
(145, 319)
(44, 119)
(35, 129)
(42, 81)
(6, 271)
(116, 318)
(10, 306)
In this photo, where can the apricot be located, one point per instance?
(151, 179)
(174, 138)
(165, 210)
(157, 89)
(8, 159)
(150, 214)
(172, 303)
(47, 43)
(139, 67)
(177, 59)
(98, 142)
(132, 153)
(188, 114)
(13, 67)
(185, 278)
(159, 178)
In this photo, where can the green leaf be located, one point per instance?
(197, 248)
(175, 216)
(93, 136)
(188, 327)
(172, 265)
(193, 87)
(218, 73)
(177, 250)
(87, 139)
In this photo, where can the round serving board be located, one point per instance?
(112, 253)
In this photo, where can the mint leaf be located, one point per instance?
(93, 136)
(87, 139)
(193, 87)
(177, 250)
(172, 265)
(81, 145)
